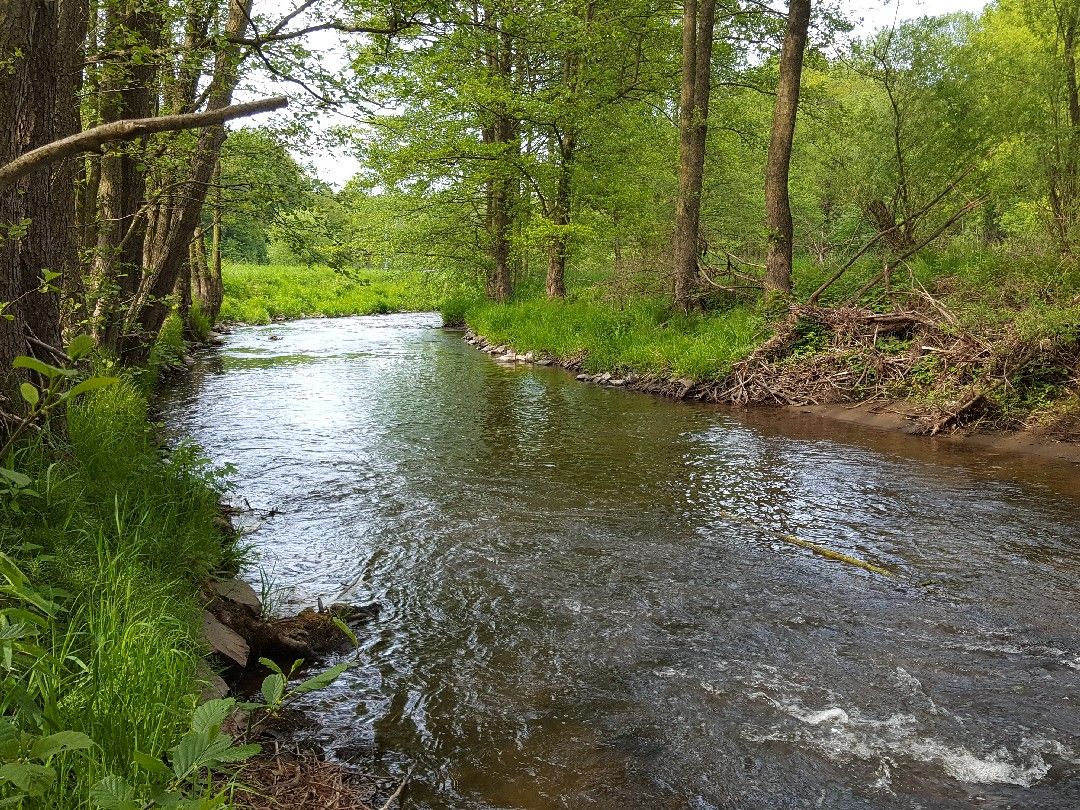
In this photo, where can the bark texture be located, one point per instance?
(698, 21)
(777, 169)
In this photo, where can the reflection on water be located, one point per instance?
(587, 603)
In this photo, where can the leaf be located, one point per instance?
(10, 631)
(344, 628)
(28, 777)
(210, 715)
(185, 756)
(44, 369)
(270, 665)
(30, 394)
(150, 764)
(17, 478)
(80, 346)
(113, 793)
(273, 689)
(238, 753)
(46, 747)
(322, 680)
(90, 384)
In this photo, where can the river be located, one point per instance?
(588, 600)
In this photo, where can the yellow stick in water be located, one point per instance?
(839, 556)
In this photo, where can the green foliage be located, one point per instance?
(117, 539)
(167, 352)
(262, 293)
(644, 337)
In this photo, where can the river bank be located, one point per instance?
(120, 612)
(813, 383)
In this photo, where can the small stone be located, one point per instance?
(529, 357)
(189, 361)
(605, 376)
(584, 377)
(543, 361)
(617, 382)
(521, 358)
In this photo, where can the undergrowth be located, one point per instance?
(118, 538)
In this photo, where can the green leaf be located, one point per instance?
(30, 394)
(344, 628)
(17, 478)
(113, 793)
(270, 665)
(90, 384)
(189, 754)
(273, 689)
(44, 369)
(46, 747)
(210, 715)
(80, 346)
(322, 680)
(238, 753)
(150, 764)
(28, 777)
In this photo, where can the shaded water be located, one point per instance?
(588, 601)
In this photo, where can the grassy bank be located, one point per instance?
(986, 338)
(645, 336)
(104, 548)
(258, 294)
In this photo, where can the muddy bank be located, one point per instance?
(1059, 440)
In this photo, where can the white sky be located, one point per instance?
(338, 166)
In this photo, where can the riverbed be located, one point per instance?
(591, 598)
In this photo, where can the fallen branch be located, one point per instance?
(93, 139)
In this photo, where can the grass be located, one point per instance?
(643, 336)
(121, 539)
(259, 294)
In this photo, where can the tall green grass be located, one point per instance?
(122, 538)
(261, 293)
(643, 336)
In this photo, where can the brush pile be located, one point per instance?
(821, 356)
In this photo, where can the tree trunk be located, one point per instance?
(38, 89)
(125, 92)
(500, 191)
(1065, 172)
(560, 218)
(168, 255)
(777, 205)
(698, 20)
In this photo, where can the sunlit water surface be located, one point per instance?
(587, 600)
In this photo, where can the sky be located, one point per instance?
(336, 167)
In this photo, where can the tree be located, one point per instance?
(777, 205)
(698, 20)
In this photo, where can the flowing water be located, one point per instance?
(588, 600)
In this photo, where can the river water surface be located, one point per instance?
(588, 601)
